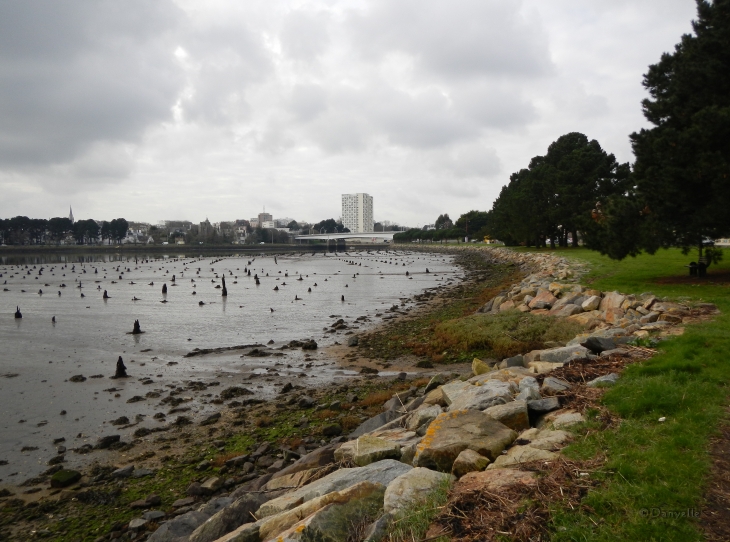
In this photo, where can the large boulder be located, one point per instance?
(468, 461)
(179, 528)
(591, 304)
(229, 518)
(492, 392)
(367, 449)
(363, 491)
(522, 454)
(546, 439)
(543, 300)
(423, 416)
(314, 459)
(564, 354)
(452, 432)
(375, 422)
(334, 522)
(412, 487)
(382, 472)
(611, 300)
(513, 415)
(495, 481)
(451, 390)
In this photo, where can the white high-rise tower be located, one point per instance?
(357, 212)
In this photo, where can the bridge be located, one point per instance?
(371, 236)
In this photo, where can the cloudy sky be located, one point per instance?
(187, 109)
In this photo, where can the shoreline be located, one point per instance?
(299, 420)
(337, 355)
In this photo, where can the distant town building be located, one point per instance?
(357, 212)
(71, 214)
(265, 217)
(205, 228)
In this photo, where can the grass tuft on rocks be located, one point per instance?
(413, 522)
(501, 335)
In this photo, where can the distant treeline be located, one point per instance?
(22, 230)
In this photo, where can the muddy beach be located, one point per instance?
(55, 376)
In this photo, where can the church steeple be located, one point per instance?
(70, 214)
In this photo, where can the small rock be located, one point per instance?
(468, 461)
(212, 484)
(605, 380)
(541, 406)
(124, 472)
(65, 477)
(137, 524)
(332, 430)
(107, 441)
(552, 385)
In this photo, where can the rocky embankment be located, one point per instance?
(479, 429)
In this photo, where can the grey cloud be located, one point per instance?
(457, 38)
(471, 160)
(496, 106)
(75, 73)
(305, 34)
(307, 102)
(223, 62)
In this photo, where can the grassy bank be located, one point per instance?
(656, 472)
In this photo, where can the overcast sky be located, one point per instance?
(187, 109)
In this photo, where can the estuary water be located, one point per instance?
(298, 298)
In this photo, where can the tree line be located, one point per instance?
(21, 230)
(677, 191)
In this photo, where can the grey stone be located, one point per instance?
(492, 392)
(137, 523)
(552, 385)
(513, 415)
(375, 422)
(153, 515)
(605, 380)
(382, 472)
(514, 361)
(378, 529)
(563, 354)
(141, 473)
(212, 484)
(599, 344)
(541, 406)
(213, 506)
(314, 459)
(423, 416)
(124, 472)
(229, 518)
(411, 487)
(435, 382)
(528, 394)
(179, 527)
(452, 432)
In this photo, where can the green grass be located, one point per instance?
(502, 335)
(655, 467)
(413, 521)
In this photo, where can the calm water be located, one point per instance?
(37, 357)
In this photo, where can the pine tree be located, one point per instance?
(682, 169)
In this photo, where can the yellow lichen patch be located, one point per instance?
(435, 426)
